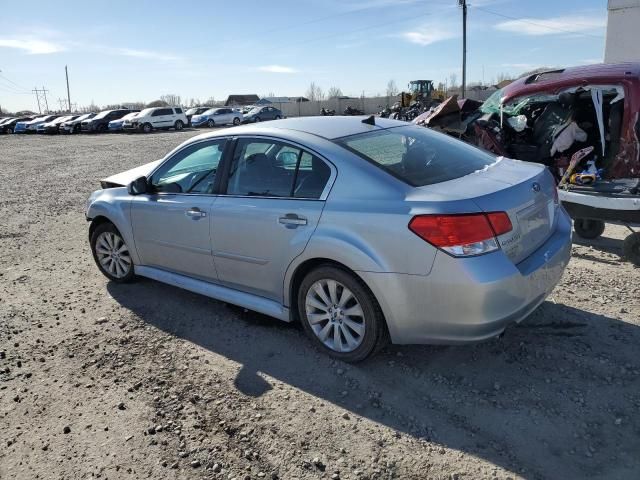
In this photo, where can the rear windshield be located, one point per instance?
(417, 155)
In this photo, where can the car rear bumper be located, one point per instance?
(471, 299)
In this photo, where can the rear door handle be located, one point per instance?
(195, 212)
(292, 219)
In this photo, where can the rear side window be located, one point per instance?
(417, 155)
(268, 168)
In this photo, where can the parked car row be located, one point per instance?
(147, 120)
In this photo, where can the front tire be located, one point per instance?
(211, 123)
(146, 128)
(631, 248)
(178, 125)
(257, 120)
(278, 117)
(588, 229)
(236, 121)
(111, 253)
(340, 314)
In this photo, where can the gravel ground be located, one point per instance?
(99, 380)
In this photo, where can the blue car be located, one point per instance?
(32, 125)
(117, 125)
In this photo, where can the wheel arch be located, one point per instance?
(303, 268)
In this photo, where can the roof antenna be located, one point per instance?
(370, 120)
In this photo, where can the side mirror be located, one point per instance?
(138, 186)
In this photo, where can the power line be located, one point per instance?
(14, 83)
(368, 27)
(542, 25)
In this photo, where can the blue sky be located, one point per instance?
(119, 51)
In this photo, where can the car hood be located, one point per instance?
(124, 178)
(197, 118)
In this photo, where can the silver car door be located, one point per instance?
(268, 215)
(171, 225)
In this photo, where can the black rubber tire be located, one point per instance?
(211, 123)
(147, 128)
(278, 117)
(589, 229)
(257, 119)
(631, 248)
(179, 125)
(109, 227)
(376, 335)
(236, 121)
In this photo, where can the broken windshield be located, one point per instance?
(515, 106)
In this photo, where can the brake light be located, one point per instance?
(462, 235)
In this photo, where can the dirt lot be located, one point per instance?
(99, 380)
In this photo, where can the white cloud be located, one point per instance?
(428, 34)
(276, 69)
(129, 52)
(31, 46)
(553, 26)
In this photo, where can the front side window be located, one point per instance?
(191, 170)
(269, 168)
(417, 155)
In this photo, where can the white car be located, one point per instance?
(73, 126)
(217, 116)
(157, 118)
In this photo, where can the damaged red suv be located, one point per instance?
(589, 113)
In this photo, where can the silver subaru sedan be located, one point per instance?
(366, 230)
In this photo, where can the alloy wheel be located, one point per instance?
(335, 315)
(113, 254)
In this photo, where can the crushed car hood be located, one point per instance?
(124, 178)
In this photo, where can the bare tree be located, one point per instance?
(171, 99)
(157, 103)
(453, 80)
(392, 88)
(334, 92)
(314, 92)
(211, 102)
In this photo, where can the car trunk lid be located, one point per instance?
(525, 191)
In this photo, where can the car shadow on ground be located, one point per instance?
(554, 398)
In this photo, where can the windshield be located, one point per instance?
(84, 117)
(102, 114)
(146, 112)
(416, 155)
(515, 105)
(254, 110)
(192, 111)
(129, 116)
(210, 111)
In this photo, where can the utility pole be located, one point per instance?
(35, 90)
(463, 4)
(41, 93)
(44, 93)
(66, 73)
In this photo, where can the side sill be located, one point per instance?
(218, 292)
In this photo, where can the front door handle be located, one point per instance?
(195, 213)
(292, 219)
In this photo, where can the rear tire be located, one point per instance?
(587, 228)
(631, 248)
(350, 308)
(178, 125)
(211, 123)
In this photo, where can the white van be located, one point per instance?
(157, 118)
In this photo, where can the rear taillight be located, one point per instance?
(462, 235)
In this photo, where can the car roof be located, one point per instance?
(567, 77)
(325, 127)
